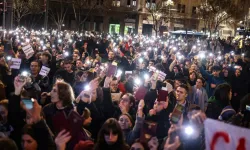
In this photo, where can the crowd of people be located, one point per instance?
(82, 91)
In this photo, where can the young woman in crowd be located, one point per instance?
(130, 131)
(221, 98)
(111, 137)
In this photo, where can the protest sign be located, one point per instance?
(44, 71)
(28, 51)
(222, 136)
(161, 76)
(16, 63)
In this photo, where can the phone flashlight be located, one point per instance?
(8, 58)
(210, 54)
(202, 55)
(87, 87)
(140, 60)
(146, 76)
(66, 53)
(24, 73)
(155, 49)
(27, 40)
(137, 81)
(60, 41)
(194, 47)
(189, 130)
(175, 48)
(119, 72)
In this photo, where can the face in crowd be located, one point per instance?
(181, 94)
(192, 76)
(113, 85)
(126, 102)
(44, 59)
(111, 55)
(28, 143)
(137, 146)
(79, 64)
(68, 67)
(34, 68)
(216, 73)
(125, 122)
(237, 73)
(199, 83)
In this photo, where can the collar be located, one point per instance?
(184, 104)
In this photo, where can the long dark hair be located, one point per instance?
(65, 93)
(221, 93)
(111, 125)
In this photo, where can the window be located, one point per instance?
(118, 3)
(134, 3)
(89, 2)
(181, 8)
(128, 3)
(99, 2)
(153, 5)
(148, 3)
(114, 3)
(194, 10)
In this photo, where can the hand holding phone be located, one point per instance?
(177, 114)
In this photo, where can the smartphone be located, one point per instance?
(176, 114)
(28, 103)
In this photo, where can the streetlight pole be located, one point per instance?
(46, 15)
(4, 8)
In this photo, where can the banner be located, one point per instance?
(16, 63)
(222, 136)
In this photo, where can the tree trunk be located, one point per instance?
(18, 22)
(59, 27)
